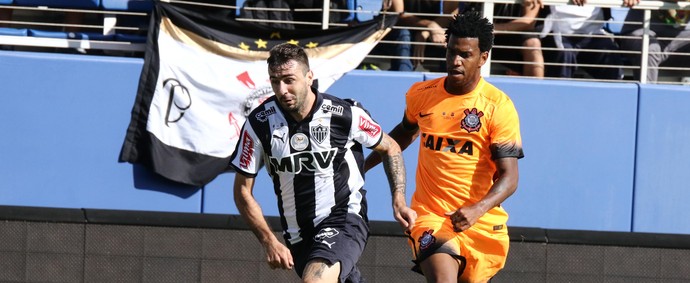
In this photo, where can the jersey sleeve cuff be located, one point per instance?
(244, 173)
(377, 143)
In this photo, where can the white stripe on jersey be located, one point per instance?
(280, 133)
(355, 182)
(324, 186)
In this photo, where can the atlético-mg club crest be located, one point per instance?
(471, 122)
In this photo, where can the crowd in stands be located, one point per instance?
(531, 39)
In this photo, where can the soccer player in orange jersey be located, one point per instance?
(469, 146)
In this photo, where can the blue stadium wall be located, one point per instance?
(599, 156)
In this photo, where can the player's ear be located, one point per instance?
(483, 57)
(310, 78)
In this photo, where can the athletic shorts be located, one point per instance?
(341, 242)
(482, 248)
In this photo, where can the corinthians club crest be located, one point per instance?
(427, 239)
(472, 122)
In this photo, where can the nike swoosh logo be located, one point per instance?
(424, 115)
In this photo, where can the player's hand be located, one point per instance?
(278, 256)
(579, 2)
(405, 217)
(463, 218)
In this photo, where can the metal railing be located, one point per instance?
(104, 22)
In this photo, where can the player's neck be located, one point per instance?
(461, 87)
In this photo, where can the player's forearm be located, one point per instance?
(402, 137)
(504, 187)
(252, 214)
(395, 171)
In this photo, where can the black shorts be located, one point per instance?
(508, 53)
(339, 242)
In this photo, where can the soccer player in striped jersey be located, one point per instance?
(469, 146)
(311, 145)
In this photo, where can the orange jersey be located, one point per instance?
(460, 136)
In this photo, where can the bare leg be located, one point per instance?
(318, 270)
(441, 268)
(533, 56)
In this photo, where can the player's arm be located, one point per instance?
(277, 254)
(404, 134)
(504, 186)
(389, 151)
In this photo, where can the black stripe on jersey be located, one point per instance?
(358, 153)
(304, 186)
(263, 132)
(340, 130)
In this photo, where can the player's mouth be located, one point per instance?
(455, 72)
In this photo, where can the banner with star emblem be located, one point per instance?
(204, 72)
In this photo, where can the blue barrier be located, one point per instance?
(663, 159)
(593, 160)
(579, 141)
(65, 117)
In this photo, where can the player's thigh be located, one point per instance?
(441, 267)
(319, 270)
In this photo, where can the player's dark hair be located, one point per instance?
(284, 52)
(471, 24)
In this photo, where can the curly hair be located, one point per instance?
(280, 54)
(472, 24)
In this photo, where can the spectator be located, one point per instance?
(516, 18)
(290, 14)
(664, 24)
(5, 15)
(260, 9)
(317, 16)
(572, 28)
(414, 15)
(402, 48)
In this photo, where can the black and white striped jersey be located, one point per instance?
(316, 164)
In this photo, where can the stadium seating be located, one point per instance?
(128, 5)
(71, 35)
(367, 9)
(83, 4)
(110, 21)
(615, 24)
(14, 31)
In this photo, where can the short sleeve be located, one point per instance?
(247, 156)
(506, 140)
(364, 129)
(410, 115)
